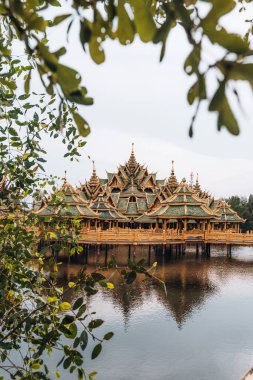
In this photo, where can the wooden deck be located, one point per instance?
(152, 237)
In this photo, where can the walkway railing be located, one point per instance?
(141, 236)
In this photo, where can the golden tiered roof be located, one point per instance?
(66, 202)
(133, 193)
(224, 210)
(106, 211)
(184, 203)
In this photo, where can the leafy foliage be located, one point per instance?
(122, 20)
(244, 207)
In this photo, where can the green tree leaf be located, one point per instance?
(78, 303)
(125, 31)
(82, 125)
(143, 19)
(96, 351)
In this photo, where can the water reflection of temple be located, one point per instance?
(189, 282)
(187, 287)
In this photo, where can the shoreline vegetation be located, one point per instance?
(244, 207)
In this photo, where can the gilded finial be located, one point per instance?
(172, 167)
(191, 179)
(132, 147)
(65, 176)
(94, 166)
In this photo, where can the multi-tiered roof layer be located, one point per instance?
(134, 196)
(226, 214)
(66, 203)
(184, 203)
(106, 211)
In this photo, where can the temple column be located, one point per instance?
(185, 224)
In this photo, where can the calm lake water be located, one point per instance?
(201, 330)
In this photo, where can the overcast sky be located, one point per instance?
(138, 99)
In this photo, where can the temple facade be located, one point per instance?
(133, 198)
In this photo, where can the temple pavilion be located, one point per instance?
(134, 198)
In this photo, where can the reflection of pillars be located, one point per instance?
(164, 247)
(208, 249)
(106, 254)
(83, 253)
(149, 255)
(98, 254)
(229, 250)
(129, 252)
(87, 253)
(197, 249)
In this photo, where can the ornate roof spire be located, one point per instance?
(172, 168)
(197, 187)
(94, 180)
(65, 176)
(191, 179)
(172, 181)
(132, 163)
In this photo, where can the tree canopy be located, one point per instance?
(152, 20)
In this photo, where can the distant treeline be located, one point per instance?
(244, 207)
